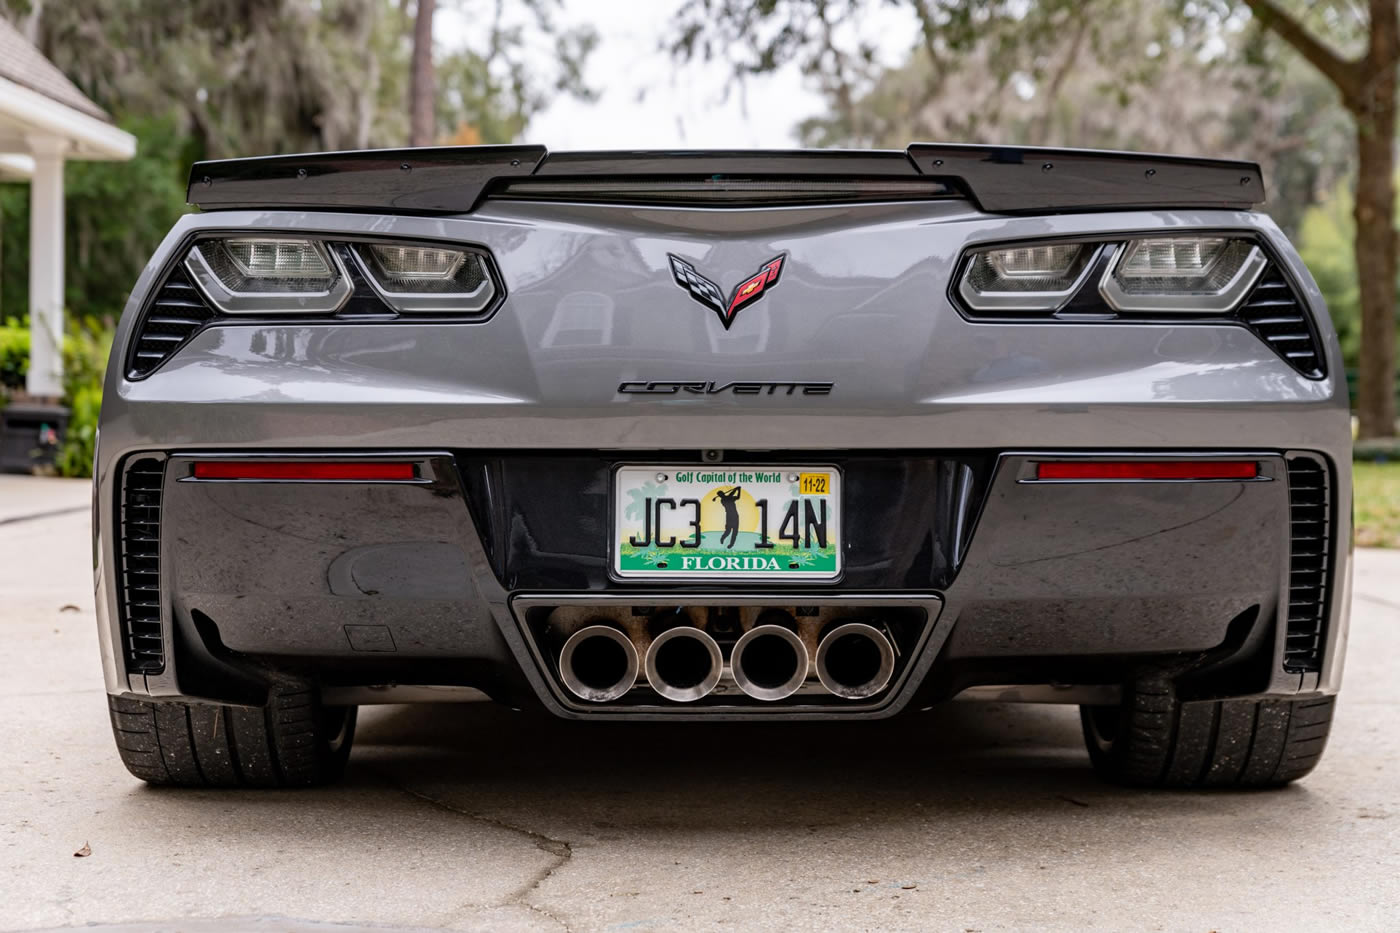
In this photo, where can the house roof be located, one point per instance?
(25, 65)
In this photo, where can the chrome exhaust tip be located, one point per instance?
(855, 661)
(683, 664)
(598, 663)
(769, 662)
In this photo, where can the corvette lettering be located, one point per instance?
(720, 388)
(709, 294)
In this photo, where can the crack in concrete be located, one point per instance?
(50, 513)
(50, 693)
(1379, 601)
(561, 850)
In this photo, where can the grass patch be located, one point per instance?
(1377, 504)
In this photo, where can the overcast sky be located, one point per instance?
(679, 107)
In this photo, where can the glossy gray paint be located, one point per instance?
(863, 303)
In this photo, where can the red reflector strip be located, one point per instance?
(1148, 469)
(303, 469)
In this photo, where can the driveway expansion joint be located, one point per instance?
(559, 849)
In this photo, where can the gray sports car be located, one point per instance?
(807, 435)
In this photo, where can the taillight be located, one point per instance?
(1146, 469)
(268, 275)
(322, 470)
(240, 278)
(1029, 277)
(1186, 274)
(433, 279)
(1182, 274)
(1198, 278)
(282, 275)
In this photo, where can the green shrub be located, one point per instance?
(1380, 450)
(84, 365)
(14, 355)
(85, 351)
(1325, 241)
(80, 440)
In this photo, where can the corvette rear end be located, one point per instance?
(724, 435)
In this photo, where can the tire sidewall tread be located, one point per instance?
(285, 744)
(1162, 741)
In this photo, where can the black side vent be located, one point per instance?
(172, 319)
(1309, 508)
(1276, 316)
(138, 565)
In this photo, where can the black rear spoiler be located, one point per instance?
(998, 179)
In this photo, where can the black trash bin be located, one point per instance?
(30, 435)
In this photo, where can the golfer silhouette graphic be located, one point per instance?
(731, 514)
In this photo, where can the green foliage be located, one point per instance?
(1326, 241)
(115, 215)
(75, 457)
(1377, 494)
(14, 355)
(1378, 450)
(276, 76)
(201, 79)
(85, 352)
(492, 89)
(1192, 77)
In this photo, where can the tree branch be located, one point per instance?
(1040, 124)
(1346, 75)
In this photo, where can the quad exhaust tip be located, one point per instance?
(855, 661)
(769, 662)
(683, 664)
(598, 663)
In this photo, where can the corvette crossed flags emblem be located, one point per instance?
(709, 294)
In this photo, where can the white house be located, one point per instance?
(45, 120)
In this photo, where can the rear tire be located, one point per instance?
(1153, 739)
(292, 742)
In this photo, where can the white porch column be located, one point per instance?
(46, 267)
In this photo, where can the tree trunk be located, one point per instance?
(1375, 224)
(421, 92)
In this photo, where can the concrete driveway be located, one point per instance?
(974, 817)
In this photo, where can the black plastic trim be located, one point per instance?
(999, 179)
(140, 594)
(661, 190)
(790, 162)
(1034, 179)
(446, 179)
(1310, 561)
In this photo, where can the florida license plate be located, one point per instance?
(740, 523)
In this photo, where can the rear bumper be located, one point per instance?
(350, 584)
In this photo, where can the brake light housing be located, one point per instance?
(1146, 470)
(356, 471)
(1200, 278)
(229, 278)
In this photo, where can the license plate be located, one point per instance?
(735, 523)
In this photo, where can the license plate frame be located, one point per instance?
(635, 509)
